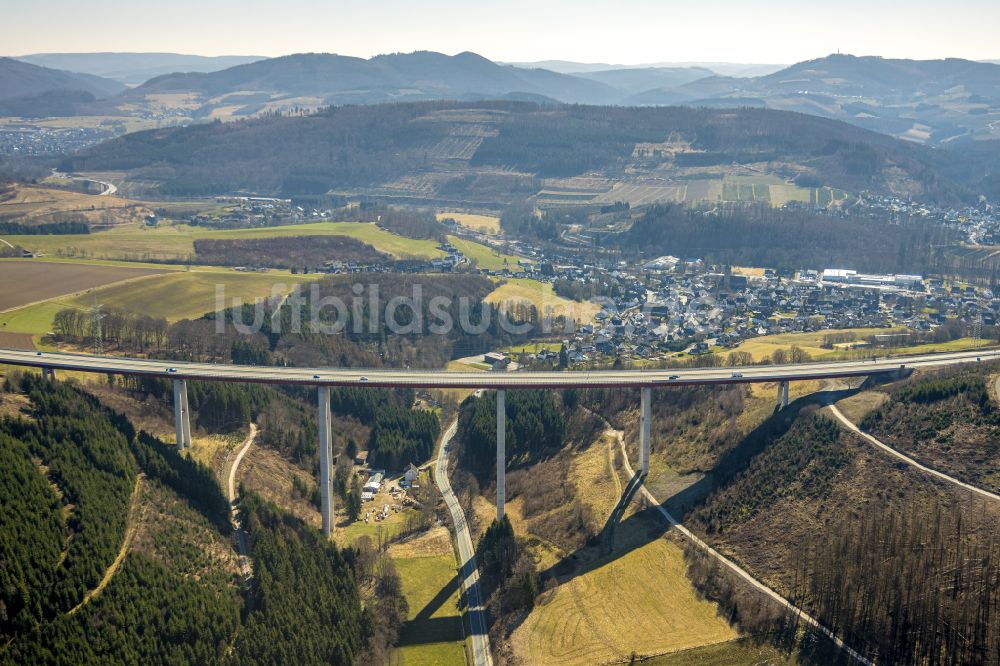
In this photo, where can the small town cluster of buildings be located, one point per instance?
(31, 140)
(980, 224)
(249, 212)
(667, 311)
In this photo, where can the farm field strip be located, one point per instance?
(811, 343)
(489, 224)
(172, 295)
(485, 256)
(176, 243)
(638, 194)
(27, 282)
(433, 633)
(543, 297)
(762, 189)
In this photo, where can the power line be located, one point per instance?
(96, 329)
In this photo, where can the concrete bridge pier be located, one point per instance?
(782, 395)
(49, 373)
(187, 414)
(182, 415)
(644, 429)
(325, 453)
(501, 451)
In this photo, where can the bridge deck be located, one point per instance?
(482, 380)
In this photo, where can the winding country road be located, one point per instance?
(107, 189)
(467, 570)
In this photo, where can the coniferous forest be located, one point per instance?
(69, 470)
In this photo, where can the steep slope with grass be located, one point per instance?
(599, 555)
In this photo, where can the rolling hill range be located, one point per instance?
(135, 68)
(19, 79)
(321, 79)
(742, 69)
(31, 90)
(502, 151)
(935, 102)
(928, 101)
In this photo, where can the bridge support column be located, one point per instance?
(782, 401)
(644, 429)
(182, 415)
(501, 451)
(187, 414)
(325, 453)
(49, 373)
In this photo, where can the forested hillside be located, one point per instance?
(293, 252)
(401, 320)
(763, 236)
(536, 427)
(303, 605)
(355, 147)
(76, 477)
(87, 459)
(23, 80)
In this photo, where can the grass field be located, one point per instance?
(433, 633)
(347, 534)
(763, 347)
(29, 281)
(487, 224)
(739, 652)
(176, 243)
(541, 295)
(641, 602)
(46, 204)
(637, 599)
(533, 347)
(484, 256)
(188, 295)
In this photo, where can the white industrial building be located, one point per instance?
(372, 486)
(852, 277)
(665, 263)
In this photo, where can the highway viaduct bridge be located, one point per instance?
(325, 378)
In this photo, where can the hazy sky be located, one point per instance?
(623, 31)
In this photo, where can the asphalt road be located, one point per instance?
(483, 380)
(467, 571)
